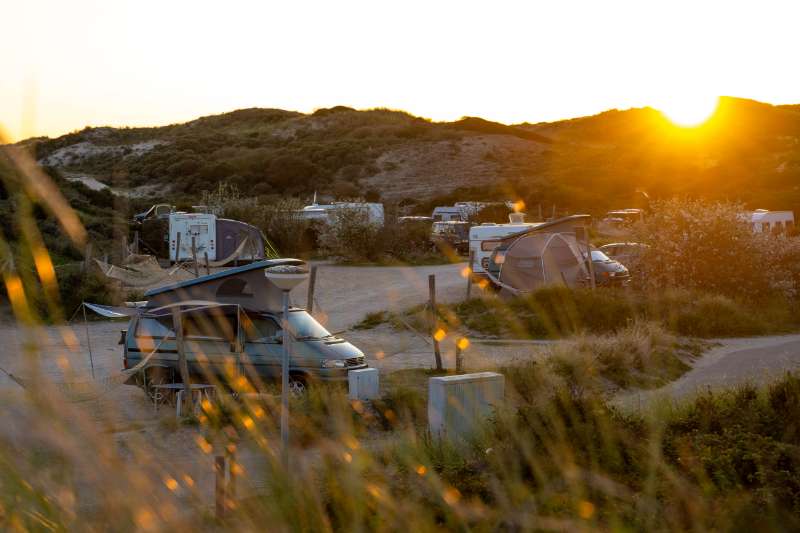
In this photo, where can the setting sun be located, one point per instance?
(689, 111)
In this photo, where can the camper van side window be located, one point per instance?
(156, 328)
(209, 326)
(260, 329)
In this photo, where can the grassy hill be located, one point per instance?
(749, 151)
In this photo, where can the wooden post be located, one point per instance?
(87, 258)
(194, 257)
(554, 212)
(312, 281)
(592, 281)
(88, 338)
(219, 486)
(459, 357)
(183, 366)
(205, 259)
(125, 247)
(432, 294)
(136, 242)
(231, 475)
(177, 248)
(469, 272)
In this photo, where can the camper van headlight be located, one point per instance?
(499, 258)
(333, 363)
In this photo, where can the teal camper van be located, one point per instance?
(231, 328)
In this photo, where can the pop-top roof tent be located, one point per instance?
(549, 254)
(246, 286)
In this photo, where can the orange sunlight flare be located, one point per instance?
(689, 111)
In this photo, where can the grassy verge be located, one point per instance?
(559, 312)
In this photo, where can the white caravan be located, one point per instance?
(485, 238)
(222, 239)
(764, 221)
(460, 211)
(322, 212)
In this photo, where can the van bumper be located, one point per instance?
(334, 375)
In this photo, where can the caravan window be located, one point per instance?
(198, 229)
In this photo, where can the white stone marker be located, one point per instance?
(363, 384)
(458, 405)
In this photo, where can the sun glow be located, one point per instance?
(689, 111)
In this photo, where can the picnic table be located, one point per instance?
(167, 393)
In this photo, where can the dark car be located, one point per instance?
(607, 271)
(624, 252)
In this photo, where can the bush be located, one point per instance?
(696, 244)
(553, 312)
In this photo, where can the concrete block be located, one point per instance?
(459, 405)
(363, 384)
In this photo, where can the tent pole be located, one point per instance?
(88, 339)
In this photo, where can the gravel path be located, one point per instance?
(754, 360)
(346, 294)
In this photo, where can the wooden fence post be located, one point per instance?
(312, 281)
(219, 486)
(433, 321)
(194, 257)
(205, 259)
(136, 242)
(125, 249)
(87, 258)
(459, 357)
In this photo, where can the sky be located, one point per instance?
(65, 65)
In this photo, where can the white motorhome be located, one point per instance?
(764, 221)
(483, 239)
(322, 212)
(460, 211)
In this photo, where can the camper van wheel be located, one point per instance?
(298, 385)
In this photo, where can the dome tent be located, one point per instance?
(537, 259)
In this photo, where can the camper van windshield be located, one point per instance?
(303, 326)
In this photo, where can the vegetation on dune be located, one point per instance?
(747, 152)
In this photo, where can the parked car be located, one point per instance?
(453, 234)
(624, 252)
(218, 338)
(607, 271)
